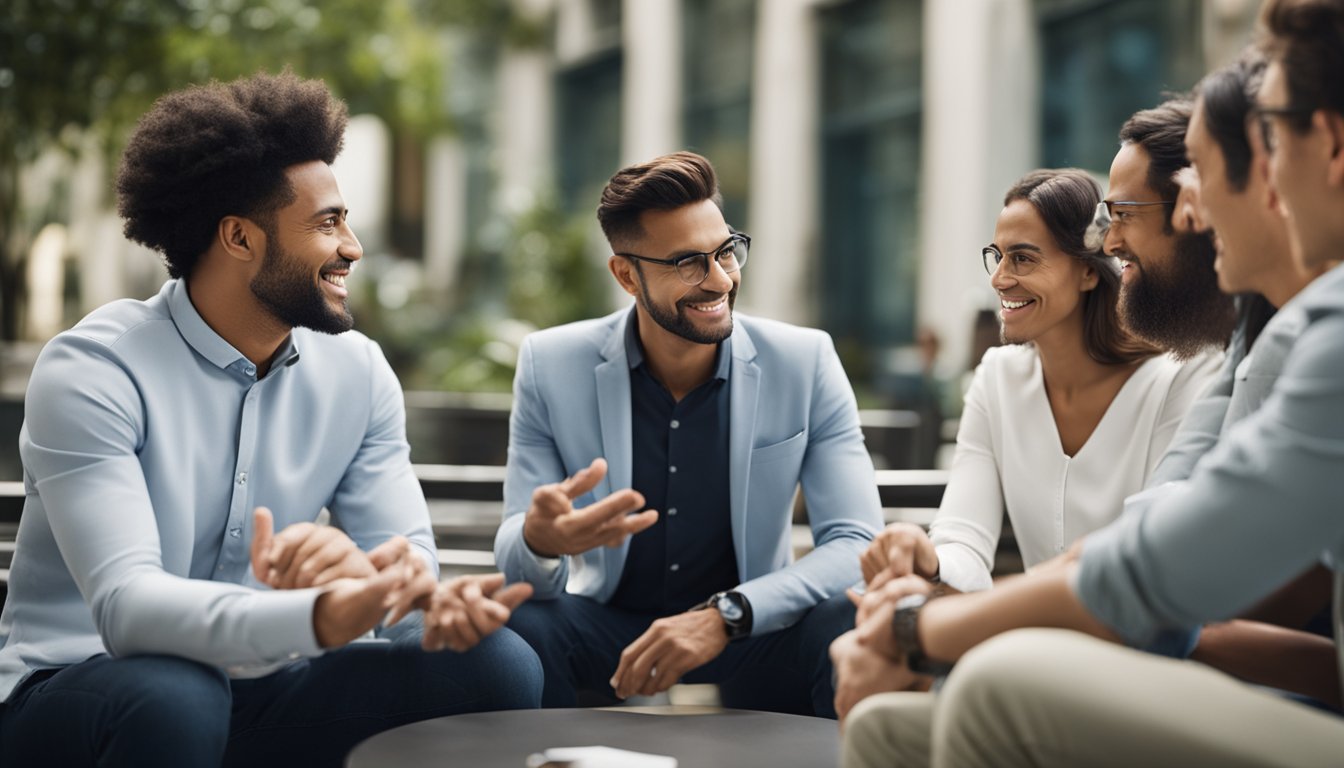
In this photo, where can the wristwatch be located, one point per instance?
(735, 611)
(905, 629)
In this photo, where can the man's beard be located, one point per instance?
(1178, 307)
(676, 322)
(286, 287)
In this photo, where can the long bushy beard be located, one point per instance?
(1179, 307)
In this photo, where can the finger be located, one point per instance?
(585, 479)
(854, 597)
(487, 584)
(636, 660)
(615, 532)
(263, 532)
(329, 556)
(880, 580)
(551, 501)
(389, 552)
(283, 548)
(613, 507)
(871, 562)
(416, 593)
(663, 674)
(513, 595)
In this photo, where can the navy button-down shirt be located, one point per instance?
(680, 465)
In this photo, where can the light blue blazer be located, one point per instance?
(794, 420)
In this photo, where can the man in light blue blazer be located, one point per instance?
(707, 422)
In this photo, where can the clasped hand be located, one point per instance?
(361, 590)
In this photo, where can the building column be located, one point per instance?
(980, 133)
(650, 79)
(782, 213)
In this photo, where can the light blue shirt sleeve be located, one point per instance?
(1258, 510)
(84, 427)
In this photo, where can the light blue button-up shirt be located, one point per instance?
(148, 440)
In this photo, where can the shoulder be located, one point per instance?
(583, 336)
(126, 328)
(1180, 374)
(776, 338)
(1009, 362)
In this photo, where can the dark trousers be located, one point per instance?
(169, 711)
(580, 641)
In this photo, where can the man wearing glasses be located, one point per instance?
(1169, 293)
(692, 427)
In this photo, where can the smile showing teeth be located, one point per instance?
(1010, 304)
(708, 307)
(334, 279)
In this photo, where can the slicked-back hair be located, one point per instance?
(1066, 199)
(1307, 38)
(1160, 131)
(218, 150)
(1226, 96)
(662, 184)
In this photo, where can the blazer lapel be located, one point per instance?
(746, 384)
(613, 407)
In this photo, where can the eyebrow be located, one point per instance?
(1023, 247)
(690, 252)
(328, 211)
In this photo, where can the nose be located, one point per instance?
(1113, 241)
(1001, 278)
(717, 280)
(350, 247)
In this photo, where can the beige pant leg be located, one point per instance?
(1046, 697)
(889, 729)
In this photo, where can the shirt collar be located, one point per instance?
(206, 342)
(634, 351)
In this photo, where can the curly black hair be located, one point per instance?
(218, 150)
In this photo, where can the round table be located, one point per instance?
(698, 737)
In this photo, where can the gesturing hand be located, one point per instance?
(668, 649)
(901, 549)
(553, 527)
(877, 606)
(304, 554)
(466, 609)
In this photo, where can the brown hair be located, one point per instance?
(1160, 131)
(662, 184)
(1307, 38)
(1066, 200)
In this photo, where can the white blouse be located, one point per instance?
(1009, 457)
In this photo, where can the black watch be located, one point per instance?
(905, 628)
(735, 611)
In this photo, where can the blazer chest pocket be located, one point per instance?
(769, 454)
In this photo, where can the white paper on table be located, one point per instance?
(602, 757)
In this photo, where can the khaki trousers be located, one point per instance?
(1044, 697)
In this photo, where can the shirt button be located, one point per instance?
(235, 532)
(675, 424)
(675, 567)
(672, 469)
(242, 478)
(672, 512)
(249, 370)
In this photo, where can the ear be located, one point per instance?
(624, 271)
(1090, 278)
(1333, 123)
(240, 238)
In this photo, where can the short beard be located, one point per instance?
(676, 322)
(286, 288)
(1179, 307)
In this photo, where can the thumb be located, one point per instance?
(263, 533)
(513, 595)
(585, 479)
(389, 552)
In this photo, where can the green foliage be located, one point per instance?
(552, 279)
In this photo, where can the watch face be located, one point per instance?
(728, 608)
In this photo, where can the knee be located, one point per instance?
(826, 621)
(888, 729)
(516, 670)
(178, 699)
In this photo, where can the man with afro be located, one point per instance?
(154, 616)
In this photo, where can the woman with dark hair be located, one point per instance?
(1062, 423)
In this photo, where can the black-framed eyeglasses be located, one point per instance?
(693, 268)
(1019, 264)
(1112, 213)
(1264, 120)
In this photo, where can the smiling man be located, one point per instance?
(1169, 293)
(653, 460)
(153, 617)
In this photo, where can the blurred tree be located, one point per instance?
(69, 66)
